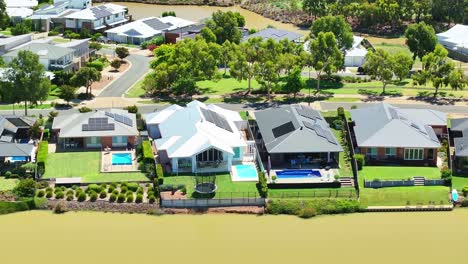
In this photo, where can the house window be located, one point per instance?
(108, 17)
(236, 152)
(390, 152)
(119, 141)
(414, 154)
(116, 15)
(93, 142)
(210, 155)
(372, 152)
(430, 154)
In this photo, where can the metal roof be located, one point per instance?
(276, 34)
(16, 150)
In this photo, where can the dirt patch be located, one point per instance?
(108, 75)
(178, 195)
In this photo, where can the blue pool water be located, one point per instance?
(288, 174)
(246, 172)
(122, 159)
(19, 159)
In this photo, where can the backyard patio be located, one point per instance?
(86, 165)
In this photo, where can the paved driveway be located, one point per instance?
(139, 68)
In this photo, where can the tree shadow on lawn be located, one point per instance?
(324, 84)
(373, 96)
(429, 98)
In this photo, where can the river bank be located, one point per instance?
(122, 238)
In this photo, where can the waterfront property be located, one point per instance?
(50, 16)
(97, 18)
(454, 40)
(16, 145)
(275, 34)
(385, 134)
(145, 29)
(200, 138)
(459, 134)
(181, 33)
(96, 130)
(296, 145)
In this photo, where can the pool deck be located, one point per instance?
(106, 162)
(327, 176)
(235, 176)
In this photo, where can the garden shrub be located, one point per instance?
(170, 187)
(446, 175)
(148, 156)
(464, 203)
(140, 190)
(94, 188)
(103, 194)
(130, 198)
(60, 208)
(81, 197)
(98, 65)
(129, 193)
(8, 174)
(11, 207)
(85, 109)
(160, 173)
(49, 189)
(151, 199)
(262, 185)
(308, 212)
(93, 196)
(42, 152)
(360, 161)
(69, 197)
(40, 193)
(123, 184)
(110, 189)
(133, 186)
(465, 191)
(70, 192)
(59, 195)
(49, 194)
(42, 185)
(103, 186)
(133, 109)
(139, 198)
(121, 198)
(75, 187)
(123, 189)
(116, 192)
(320, 206)
(25, 188)
(340, 112)
(78, 192)
(112, 198)
(113, 185)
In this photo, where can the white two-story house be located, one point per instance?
(97, 18)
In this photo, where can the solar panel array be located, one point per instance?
(308, 113)
(100, 11)
(98, 124)
(123, 119)
(216, 119)
(283, 129)
(320, 132)
(156, 24)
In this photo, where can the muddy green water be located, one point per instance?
(85, 237)
(197, 13)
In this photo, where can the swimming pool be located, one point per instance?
(15, 159)
(122, 159)
(245, 172)
(289, 174)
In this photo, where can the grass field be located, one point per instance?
(421, 195)
(398, 172)
(224, 183)
(7, 184)
(19, 107)
(458, 182)
(136, 91)
(85, 165)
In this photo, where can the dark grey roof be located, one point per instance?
(276, 34)
(16, 150)
(459, 124)
(285, 130)
(461, 146)
(383, 125)
(6, 125)
(188, 30)
(156, 24)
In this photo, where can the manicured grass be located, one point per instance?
(458, 182)
(6, 32)
(224, 183)
(85, 165)
(19, 107)
(394, 196)
(225, 86)
(244, 116)
(7, 184)
(312, 193)
(136, 91)
(398, 172)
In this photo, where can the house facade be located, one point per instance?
(96, 130)
(97, 18)
(15, 143)
(295, 137)
(199, 138)
(459, 137)
(385, 134)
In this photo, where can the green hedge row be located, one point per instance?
(18, 206)
(160, 173)
(148, 156)
(42, 152)
(319, 206)
(262, 185)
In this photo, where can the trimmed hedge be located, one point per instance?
(19, 206)
(262, 185)
(160, 173)
(308, 208)
(148, 156)
(42, 152)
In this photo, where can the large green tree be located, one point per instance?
(379, 64)
(27, 81)
(325, 56)
(224, 25)
(294, 82)
(246, 60)
(4, 19)
(401, 65)
(86, 76)
(336, 24)
(421, 39)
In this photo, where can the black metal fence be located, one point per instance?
(349, 141)
(338, 193)
(220, 199)
(401, 183)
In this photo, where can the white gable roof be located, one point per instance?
(97, 12)
(186, 132)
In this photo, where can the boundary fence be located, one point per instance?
(353, 162)
(220, 199)
(401, 183)
(339, 193)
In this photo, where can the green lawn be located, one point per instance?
(136, 91)
(226, 85)
(85, 165)
(20, 107)
(398, 172)
(458, 182)
(7, 184)
(224, 183)
(420, 195)
(6, 32)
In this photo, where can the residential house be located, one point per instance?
(295, 137)
(80, 49)
(51, 56)
(97, 129)
(97, 18)
(15, 143)
(275, 34)
(75, 4)
(21, 3)
(7, 44)
(455, 41)
(175, 35)
(199, 138)
(18, 14)
(356, 55)
(459, 135)
(145, 29)
(386, 134)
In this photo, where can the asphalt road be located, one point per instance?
(129, 78)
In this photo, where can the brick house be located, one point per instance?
(96, 130)
(385, 134)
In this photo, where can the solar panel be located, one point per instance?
(431, 133)
(330, 138)
(123, 119)
(308, 125)
(283, 129)
(216, 119)
(156, 24)
(98, 124)
(109, 114)
(308, 113)
(100, 11)
(393, 113)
